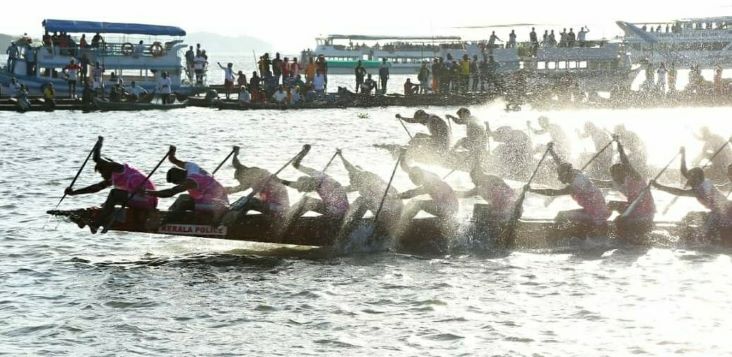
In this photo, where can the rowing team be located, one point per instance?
(269, 194)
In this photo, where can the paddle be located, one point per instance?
(234, 150)
(507, 235)
(637, 200)
(97, 144)
(383, 198)
(709, 162)
(255, 189)
(399, 116)
(488, 137)
(133, 193)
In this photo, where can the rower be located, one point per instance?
(712, 143)
(189, 166)
(499, 195)
(599, 138)
(439, 137)
(701, 188)
(634, 146)
(475, 133)
(594, 211)
(631, 184)
(124, 179)
(371, 189)
(333, 202)
(514, 154)
(271, 198)
(205, 194)
(443, 203)
(562, 145)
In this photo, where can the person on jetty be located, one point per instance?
(319, 83)
(371, 189)
(72, 75)
(165, 88)
(130, 186)
(199, 67)
(443, 203)
(703, 189)
(437, 140)
(384, 74)
(626, 180)
(228, 77)
(360, 72)
(333, 201)
(594, 211)
(475, 139)
(271, 199)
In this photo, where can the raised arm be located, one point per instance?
(555, 157)
(684, 171)
(235, 160)
(456, 120)
(297, 162)
(413, 193)
(550, 191)
(412, 120)
(624, 160)
(673, 190)
(98, 149)
(89, 189)
(170, 192)
(349, 167)
(174, 160)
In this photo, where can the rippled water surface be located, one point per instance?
(67, 292)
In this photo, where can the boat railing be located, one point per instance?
(114, 49)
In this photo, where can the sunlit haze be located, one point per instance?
(293, 25)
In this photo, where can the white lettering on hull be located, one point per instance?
(193, 230)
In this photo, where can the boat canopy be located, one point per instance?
(111, 27)
(408, 38)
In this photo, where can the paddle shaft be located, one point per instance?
(709, 162)
(133, 193)
(77, 174)
(269, 178)
(223, 162)
(405, 128)
(596, 155)
(637, 200)
(508, 231)
(386, 193)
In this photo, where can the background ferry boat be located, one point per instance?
(706, 42)
(40, 64)
(404, 53)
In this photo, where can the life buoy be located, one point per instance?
(156, 49)
(127, 48)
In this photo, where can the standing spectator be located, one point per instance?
(13, 54)
(47, 39)
(228, 77)
(718, 85)
(436, 71)
(84, 62)
(483, 68)
(570, 38)
(563, 38)
(97, 83)
(264, 64)
(534, 41)
(199, 65)
(254, 82)
(582, 36)
(492, 40)
(139, 49)
(164, 87)
(360, 73)
(545, 39)
(322, 65)
(552, 39)
(190, 57)
(384, 74)
(661, 81)
(285, 70)
(82, 42)
(464, 73)
(31, 56)
(474, 74)
(96, 40)
(295, 68)
(277, 67)
(72, 71)
(511, 40)
(310, 70)
(423, 77)
(241, 79)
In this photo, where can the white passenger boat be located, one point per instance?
(119, 54)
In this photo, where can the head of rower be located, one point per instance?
(695, 176)
(619, 172)
(463, 113)
(176, 176)
(566, 173)
(543, 122)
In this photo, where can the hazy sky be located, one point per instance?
(293, 25)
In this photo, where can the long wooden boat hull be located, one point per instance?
(422, 236)
(135, 106)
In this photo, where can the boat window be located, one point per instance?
(551, 65)
(583, 64)
(521, 64)
(541, 65)
(562, 65)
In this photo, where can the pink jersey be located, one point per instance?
(207, 189)
(632, 188)
(275, 196)
(441, 193)
(333, 195)
(130, 180)
(589, 197)
(710, 197)
(501, 197)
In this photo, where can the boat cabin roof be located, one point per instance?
(75, 26)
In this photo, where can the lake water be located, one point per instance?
(67, 292)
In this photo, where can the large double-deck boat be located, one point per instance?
(706, 42)
(127, 51)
